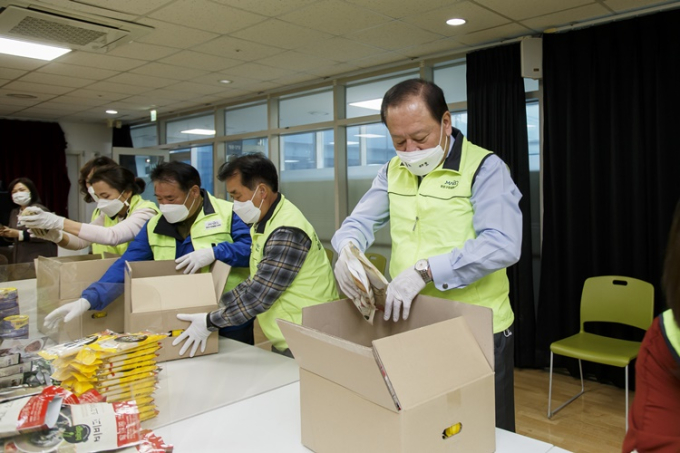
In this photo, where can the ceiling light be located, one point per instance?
(370, 136)
(372, 104)
(455, 22)
(112, 112)
(198, 132)
(153, 115)
(30, 50)
(21, 96)
(225, 81)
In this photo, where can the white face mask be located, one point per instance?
(94, 196)
(111, 207)
(247, 211)
(175, 213)
(21, 198)
(423, 161)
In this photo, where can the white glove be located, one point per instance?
(37, 218)
(196, 334)
(401, 291)
(348, 269)
(51, 235)
(66, 312)
(194, 261)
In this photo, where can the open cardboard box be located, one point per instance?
(62, 280)
(395, 386)
(155, 293)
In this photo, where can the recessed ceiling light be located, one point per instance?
(198, 132)
(21, 96)
(456, 21)
(225, 81)
(372, 104)
(112, 112)
(30, 50)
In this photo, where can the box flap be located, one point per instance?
(220, 273)
(171, 292)
(141, 269)
(428, 362)
(348, 364)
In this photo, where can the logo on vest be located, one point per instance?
(450, 184)
(212, 224)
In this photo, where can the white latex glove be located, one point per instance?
(67, 312)
(348, 269)
(194, 261)
(401, 291)
(35, 217)
(196, 334)
(50, 235)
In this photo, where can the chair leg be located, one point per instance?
(626, 398)
(580, 369)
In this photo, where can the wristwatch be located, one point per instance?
(422, 267)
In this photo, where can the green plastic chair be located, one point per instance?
(610, 298)
(379, 261)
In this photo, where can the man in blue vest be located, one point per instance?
(454, 219)
(194, 229)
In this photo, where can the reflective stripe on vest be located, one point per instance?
(207, 230)
(136, 202)
(671, 330)
(314, 284)
(436, 216)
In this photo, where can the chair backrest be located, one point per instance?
(379, 261)
(329, 254)
(614, 298)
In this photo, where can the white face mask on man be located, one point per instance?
(21, 198)
(175, 213)
(423, 161)
(111, 207)
(247, 211)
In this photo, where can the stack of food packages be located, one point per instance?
(120, 367)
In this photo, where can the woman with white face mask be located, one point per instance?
(26, 248)
(121, 212)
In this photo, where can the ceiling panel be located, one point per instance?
(345, 17)
(623, 5)
(267, 7)
(83, 72)
(53, 79)
(169, 71)
(142, 80)
(494, 34)
(256, 71)
(277, 33)
(237, 49)
(136, 7)
(98, 94)
(119, 88)
(84, 102)
(435, 20)
(10, 74)
(393, 36)
(196, 88)
(197, 60)
(35, 88)
(556, 19)
(524, 9)
(102, 61)
(25, 64)
(431, 48)
(296, 61)
(142, 51)
(173, 35)
(339, 49)
(207, 16)
(402, 8)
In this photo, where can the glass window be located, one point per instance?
(304, 109)
(530, 85)
(451, 79)
(534, 133)
(369, 144)
(187, 129)
(364, 99)
(244, 119)
(307, 150)
(143, 136)
(459, 121)
(237, 148)
(306, 171)
(201, 158)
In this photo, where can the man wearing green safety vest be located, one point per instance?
(194, 229)
(454, 219)
(289, 269)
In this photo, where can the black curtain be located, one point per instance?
(611, 164)
(121, 137)
(497, 121)
(36, 150)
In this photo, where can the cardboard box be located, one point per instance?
(438, 371)
(62, 280)
(155, 293)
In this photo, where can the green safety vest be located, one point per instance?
(207, 231)
(136, 202)
(434, 217)
(671, 330)
(314, 284)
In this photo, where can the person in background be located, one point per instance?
(121, 213)
(194, 229)
(654, 417)
(26, 248)
(454, 219)
(289, 269)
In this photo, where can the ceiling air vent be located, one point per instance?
(83, 33)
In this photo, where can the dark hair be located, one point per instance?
(427, 91)
(254, 169)
(183, 174)
(85, 171)
(120, 178)
(35, 198)
(671, 268)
